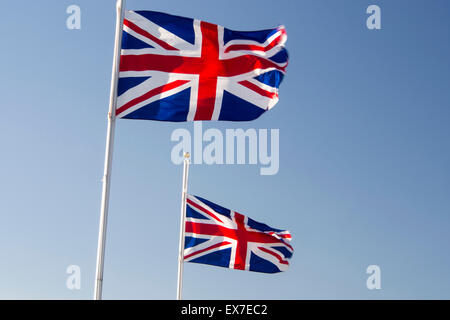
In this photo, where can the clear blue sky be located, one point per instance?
(364, 156)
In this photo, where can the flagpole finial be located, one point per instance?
(187, 155)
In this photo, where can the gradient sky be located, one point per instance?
(364, 156)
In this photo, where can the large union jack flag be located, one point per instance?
(218, 236)
(180, 69)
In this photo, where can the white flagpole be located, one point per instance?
(182, 224)
(120, 6)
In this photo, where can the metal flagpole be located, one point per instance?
(120, 6)
(182, 223)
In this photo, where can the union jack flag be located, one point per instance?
(218, 236)
(181, 69)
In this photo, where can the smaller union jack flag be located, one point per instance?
(218, 236)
